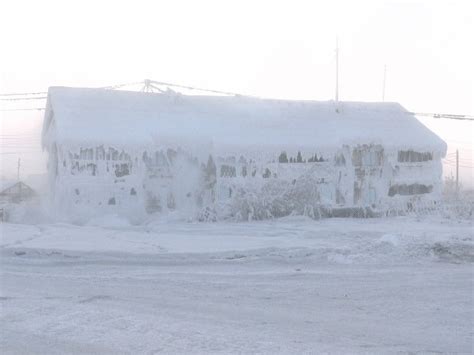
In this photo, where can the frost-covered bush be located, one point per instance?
(208, 214)
(456, 203)
(28, 212)
(451, 191)
(247, 205)
(276, 198)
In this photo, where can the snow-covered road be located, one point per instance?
(290, 286)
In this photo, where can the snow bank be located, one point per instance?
(293, 239)
(111, 221)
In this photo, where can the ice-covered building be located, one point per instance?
(233, 156)
(17, 193)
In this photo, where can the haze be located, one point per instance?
(268, 48)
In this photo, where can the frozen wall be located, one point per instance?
(352, 180)
(214, 157)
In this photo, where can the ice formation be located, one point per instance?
(212, 157)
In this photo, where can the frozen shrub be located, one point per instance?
(208, 214)
(277, 198)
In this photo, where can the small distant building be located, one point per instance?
(128, 152)
(17, 193)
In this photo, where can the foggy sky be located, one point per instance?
(280, 49)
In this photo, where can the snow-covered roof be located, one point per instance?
(98, 116)
(16, 187)
(6, 183)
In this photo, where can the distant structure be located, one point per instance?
(16, 193)
(211, 157)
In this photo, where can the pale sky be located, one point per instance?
(279, 49)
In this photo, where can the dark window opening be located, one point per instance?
(413, 157)
(267, 173)
(122, 170)
(228, 171)
(413, 189)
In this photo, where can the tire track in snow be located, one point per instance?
(20, 242)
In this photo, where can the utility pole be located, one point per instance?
(337, 70)
(147, 86)
(18, 177)
(384, 78)
(457, 173)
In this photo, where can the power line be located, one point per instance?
(25, 93)
(461, 166)
(23, 98)
(149, 83)
(19, 146)
(444, 115)
(24, 109)
(118, 86)
(19, 153)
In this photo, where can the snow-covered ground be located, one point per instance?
(289, 286)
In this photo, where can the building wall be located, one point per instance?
(100, 180)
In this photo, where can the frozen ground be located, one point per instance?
(291, 286)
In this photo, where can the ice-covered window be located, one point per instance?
(412, 189)
(228, 171)
(340, 160)
(367, 155)
(372, 196)
(325, 193)
(122, 170)
(412, 156)
(100, 153)
(225, 193)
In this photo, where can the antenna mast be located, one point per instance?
(337, 70)
(18, 171)
(384, 78)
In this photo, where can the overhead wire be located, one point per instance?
(23, 98)
(153, 83)
(24, 93)
(23, 109)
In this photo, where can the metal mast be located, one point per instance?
(18, 169)
(337, 70)
(384, 79)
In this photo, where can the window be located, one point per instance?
(413, 189)
(412, 156)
